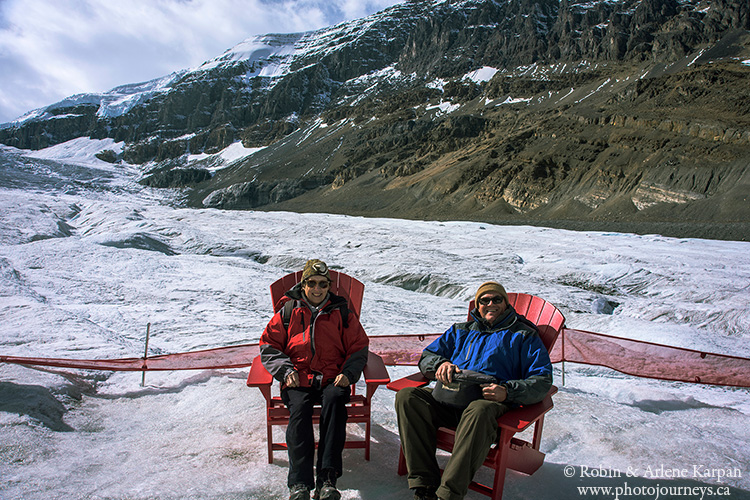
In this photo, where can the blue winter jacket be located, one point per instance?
(511, 351)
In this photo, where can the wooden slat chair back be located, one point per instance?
(341, 284)
(547, 318)
(508, 452)
(359, 408)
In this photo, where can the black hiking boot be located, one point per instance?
(325, 488)
(299, 492)
(422, 493)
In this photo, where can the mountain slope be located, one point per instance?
(568, 113)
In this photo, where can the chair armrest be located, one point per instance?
(375, 374)
(413, 380)
(258, 375)
(519, 419)
(375, 371)
(260, 378)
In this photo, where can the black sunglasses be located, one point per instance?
(320, 284)
(495, 299)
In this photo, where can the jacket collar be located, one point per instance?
(331, 302)
(505, 321)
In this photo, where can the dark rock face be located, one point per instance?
(178, 177)
(254, 194)
(65, 124)
(635, 111)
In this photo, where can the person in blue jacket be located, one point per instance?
(496, 342)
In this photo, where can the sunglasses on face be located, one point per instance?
(320, 284)
(485, 301)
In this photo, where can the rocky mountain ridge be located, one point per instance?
(627, 114)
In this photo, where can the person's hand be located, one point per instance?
(292, 380)
(341, 380)
(494, 392)
(445, 372)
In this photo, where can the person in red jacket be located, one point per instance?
(316, 348)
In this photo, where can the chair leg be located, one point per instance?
(367, 440)
(269, 441)
(401, 462)
(501, 464)
(538, 433)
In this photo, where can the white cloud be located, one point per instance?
(50, 49)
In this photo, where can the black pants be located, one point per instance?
(299, 433)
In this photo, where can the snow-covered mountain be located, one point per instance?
(254, 65)
(111, 104)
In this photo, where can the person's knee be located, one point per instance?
(483, 410)
(337, 395)
(405, 397)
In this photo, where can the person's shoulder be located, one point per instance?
(293, 294)
(526, 329)
(464, 326)
(338, 303)
(337, 300)
(526, 325)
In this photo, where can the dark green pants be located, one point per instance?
(420, 415)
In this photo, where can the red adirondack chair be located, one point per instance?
(508, 452)
(375, 373)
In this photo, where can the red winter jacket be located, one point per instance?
(314, 345)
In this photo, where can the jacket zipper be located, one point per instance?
(312, 334)
(313, 321)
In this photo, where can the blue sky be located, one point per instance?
(51, 49)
